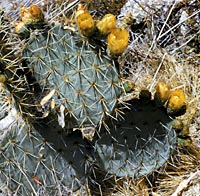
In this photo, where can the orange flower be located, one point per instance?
(118, 41)
(176, 101)
(107, 24)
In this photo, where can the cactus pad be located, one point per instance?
(137, 144)
(82, 80)
(29, 165)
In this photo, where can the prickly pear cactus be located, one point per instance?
(138, 143)
(82, 82)
(31, 166)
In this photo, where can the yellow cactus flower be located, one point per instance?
(85, 21)
(162, 92)
(2, 78)
(36, 12)
(107, 24)
(24, 12)
(118, 41)
(86, 24)
(19, 26)
(176, 101)
(31, 15)
(80, 10)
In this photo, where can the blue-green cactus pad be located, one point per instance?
(25, 156)
(86, 82)
(138, 143)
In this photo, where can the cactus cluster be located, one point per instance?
(29, 164)
(79, 85)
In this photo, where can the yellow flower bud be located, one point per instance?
(36, 12)
(118, 41)
(162, 92)
(32, 15)
(176, 101)
(85, 21)
(19, 26)
(80, 10)
(107, 24)
(2, 78)
(24, 12)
